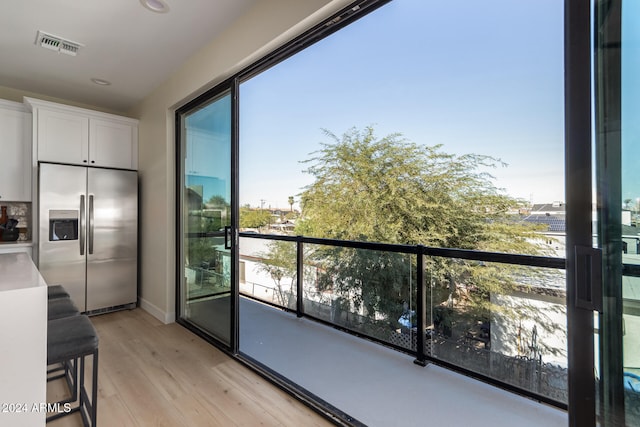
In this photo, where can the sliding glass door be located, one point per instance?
(617, 147)
(205, 197)
(513, 109)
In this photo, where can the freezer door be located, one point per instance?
(61, 245)
(112, 238)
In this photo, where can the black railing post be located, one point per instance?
(299, 276)
(421, 308)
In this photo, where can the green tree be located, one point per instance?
(254, 218)
(291, 201)
(217, 201)
(395, 191)
(291, 215)
(279, 262)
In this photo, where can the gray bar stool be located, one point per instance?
(61, 307)
(69, 340)
(56, 291)
(57, 309)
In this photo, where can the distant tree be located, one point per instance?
(217, 201)
(210, 216)
(254, 218)
(217, 212)
(290, 215)
(291, 201)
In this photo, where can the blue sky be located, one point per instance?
(478, 77)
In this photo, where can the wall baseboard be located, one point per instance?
(156, 312)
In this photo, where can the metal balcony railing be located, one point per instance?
(518, 344)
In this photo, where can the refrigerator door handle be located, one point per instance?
(90, 225)
(81, 239)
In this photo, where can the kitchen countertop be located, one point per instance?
(17, 271)
(23, 334)
(18, 243)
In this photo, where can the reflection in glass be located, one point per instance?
(617, 107)
(206, 285)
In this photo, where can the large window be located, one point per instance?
(424, 123)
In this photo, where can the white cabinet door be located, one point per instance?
(113, 144)
(63, 137)
(15, 157)
(77, 136)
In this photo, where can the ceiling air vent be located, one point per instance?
(58, 44)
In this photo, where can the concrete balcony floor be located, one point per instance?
(377, 385)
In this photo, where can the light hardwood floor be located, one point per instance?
(151, 374)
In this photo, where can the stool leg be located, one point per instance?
(89, 407)
(83, 394)
(70, 375)
(94, 392)
(73, 382)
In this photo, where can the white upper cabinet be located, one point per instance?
(113, 143)
(77, 136)
(15, 160)
(63, 137)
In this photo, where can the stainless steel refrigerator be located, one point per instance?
(88, 234)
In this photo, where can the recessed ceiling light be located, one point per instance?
(101, 82)
(159, 6)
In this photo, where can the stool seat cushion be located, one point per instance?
(61, 307)
(70, 337)
(56, 291)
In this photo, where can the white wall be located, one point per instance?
(17, 95)
(521, 315)
(267, 25)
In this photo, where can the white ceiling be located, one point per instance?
(133, 48)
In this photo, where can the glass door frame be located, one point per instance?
(593, 84)
(609, 50)
(229, 87)
(583, 281)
